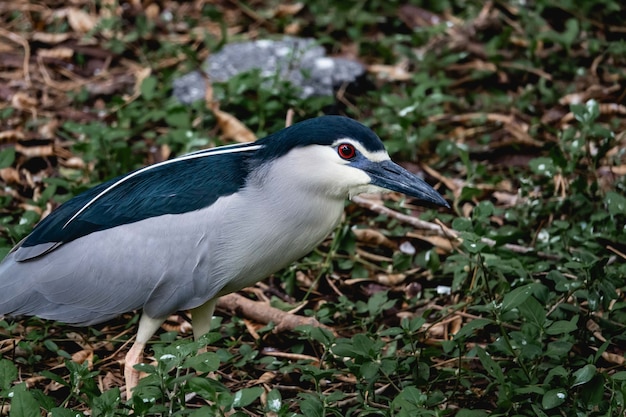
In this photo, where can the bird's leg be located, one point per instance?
(131, 375)
(147, 327)
(201, 318)
(201, 323)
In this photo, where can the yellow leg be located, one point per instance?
(201, 318)
(147, 327)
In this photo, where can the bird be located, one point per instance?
(178, 234)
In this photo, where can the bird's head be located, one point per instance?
(340, 157)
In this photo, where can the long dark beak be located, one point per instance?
(391, 176)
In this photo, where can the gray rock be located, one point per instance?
(190, 87)
(300, 61)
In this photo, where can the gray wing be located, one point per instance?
(161, 264)
(129, 243)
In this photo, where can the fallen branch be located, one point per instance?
(440, 229)
(262, 312)
(404, 218)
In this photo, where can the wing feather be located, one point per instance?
(184, 184)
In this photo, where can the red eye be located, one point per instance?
(346, 151)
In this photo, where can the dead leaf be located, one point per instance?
(48, 130)
(412, 289)
(58, 53)
(506, 199)
(286, 10)
(176, 323)
(22, 101)
(439, 242)
(373, 237)
(292, 356)
(51, 38)
(614, 358)
(455, 325)
(389, 72)
(74, 163)
(232, 128)
(140, 75)
(35, 151)
(109, 381)
(152, 12)
(82, 356)
(33, 380)
(11, 135)
(448, 182)
(293, 28)
(10, 175)
(30, 207)
(81, 21)
(372, 256)
(390, 280)
(265, 378)
(414, 16)
(436, 331)
(616, 251)
(252, 327)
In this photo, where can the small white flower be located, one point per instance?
(167, 357)
(443, 290)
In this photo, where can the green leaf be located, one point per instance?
(343, 348)
(533, 312)
(312, 407)
(538, 412)
(274, 401)
(148, 87)
(469, 328)
(8, 373)
(179, 118)
(483, 210)
(563, 326)
(7, 157)
(107, 403)
(319, 334)
(23, 404)
(462, 224)
(592, 393)
(54, 377)
(490, 365)
(472, 242)
(543, 166)
(205, 387)
(410, 401)
(145, 368)
(530, 389)
(464, 412)
(203, 412)
(204, 362)
(516, 297)
(615, 203)
(619, 376)
(362, 345)
(553, 398)
(369, 370)
(66, 412)
(558, 349)
(246, 396)
(584, 375)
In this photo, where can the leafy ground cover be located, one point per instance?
(512, 303)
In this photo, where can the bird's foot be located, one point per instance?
(131, 375)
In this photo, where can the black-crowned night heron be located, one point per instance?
(179, 234)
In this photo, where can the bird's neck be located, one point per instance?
(277, 233)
